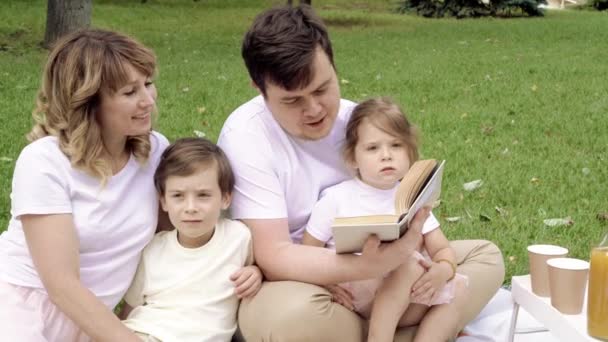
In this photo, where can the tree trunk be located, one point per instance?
(65, 16)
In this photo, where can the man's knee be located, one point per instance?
(481, 255)
(296, 312)
(488, 253)
(489, 249)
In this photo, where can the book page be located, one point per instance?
(429, 194)
(412, 183)
(368, 219)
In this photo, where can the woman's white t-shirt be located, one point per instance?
(114, 222)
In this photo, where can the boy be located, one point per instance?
(189, 281)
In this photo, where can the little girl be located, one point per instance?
(380, 146)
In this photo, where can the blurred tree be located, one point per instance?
(308, 2)
(65, 16)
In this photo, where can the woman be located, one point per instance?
(83, 203)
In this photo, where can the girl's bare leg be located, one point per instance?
(391, 301)
(440, 324)
(413, 315)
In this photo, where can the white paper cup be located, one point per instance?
(567, 283)
(539, 274)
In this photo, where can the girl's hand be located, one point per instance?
(429, 284)
(247, 281)
(341, 296)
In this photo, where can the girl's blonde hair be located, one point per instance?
(80, 67)
(386, 115)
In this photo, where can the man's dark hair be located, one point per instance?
(280, 47)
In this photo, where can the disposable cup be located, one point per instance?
(568, 284)
(539, 274)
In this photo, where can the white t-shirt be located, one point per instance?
(113, 223)
(187, 292)
(278, 175)
(353, 198)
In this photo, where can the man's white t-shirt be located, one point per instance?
(114, 223)
(354, 198)
(278, 175)
(185, 294)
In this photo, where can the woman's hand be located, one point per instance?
(247, 281)
(341, 296)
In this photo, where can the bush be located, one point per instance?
(472, 8)
(599, 5)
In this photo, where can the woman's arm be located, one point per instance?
(53, 245)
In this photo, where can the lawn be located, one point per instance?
(521, 104)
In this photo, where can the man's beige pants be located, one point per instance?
(293, 311)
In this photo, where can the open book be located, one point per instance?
(420, 186)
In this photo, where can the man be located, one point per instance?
(284, 146)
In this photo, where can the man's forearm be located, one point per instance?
(314, 265)
(281, 259)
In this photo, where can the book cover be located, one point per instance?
(419, 187)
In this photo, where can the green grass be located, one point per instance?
(521, 103)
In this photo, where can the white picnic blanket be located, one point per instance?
(493, 323)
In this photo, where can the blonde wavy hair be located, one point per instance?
(80, 67)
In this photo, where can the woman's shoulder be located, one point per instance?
(43, 150)
(158, 142)
(45, 144)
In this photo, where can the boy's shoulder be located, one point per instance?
(159, 241)
(234, 228)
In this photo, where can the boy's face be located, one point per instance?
(308, 113)
(382, 159)
(194, 204)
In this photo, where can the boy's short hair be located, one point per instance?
(387, 116)
(186, 155)
(280, 46)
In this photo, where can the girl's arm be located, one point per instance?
(438, 247)
(310, 240)
(53, 244)
(439, 272)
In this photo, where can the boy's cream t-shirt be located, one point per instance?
(184, 294)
